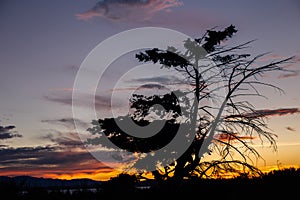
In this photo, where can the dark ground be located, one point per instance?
(282, 184)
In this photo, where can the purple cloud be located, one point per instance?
(65, 98)
(137, 10)
(67, 122)
(267, 113)
(41, 160)
(8, 132)
(289, 75)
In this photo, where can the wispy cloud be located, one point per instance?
(292, 66)
(62, 89)
(290, 128)
(232, 136)
(149, 86)
(65, 98)
(137, 10)
(289, 75)
(156, 82)
(158, 79)
(68, 140)
(62, 98)
(289, 144)
(274, 112)
(67, 122)
(271, 57)
(8, 132)
(267, 113)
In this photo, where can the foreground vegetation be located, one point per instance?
(277, 183)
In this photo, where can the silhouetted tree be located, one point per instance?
(214, 112)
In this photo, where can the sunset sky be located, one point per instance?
(43, 44)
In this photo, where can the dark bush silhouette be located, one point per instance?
(122, 183)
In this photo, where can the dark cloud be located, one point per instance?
(133, 10)
(149, 86)
(267, 113)
(67, 122)
(46, 158)
(274, 112)
(166, 80)
(158, 82)
(8, 132)
(152, 86)
(7, 154)
(290, 129)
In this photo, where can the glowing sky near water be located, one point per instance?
(43, 43)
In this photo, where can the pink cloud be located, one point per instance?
(232, 136)
(293, 63)
(266, 113)
(271, 57)
(289, 75)
(137, 10)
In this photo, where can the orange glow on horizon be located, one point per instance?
(94, 176)
(100, 175)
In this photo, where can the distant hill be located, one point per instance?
(33, 182)
(278, 183)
